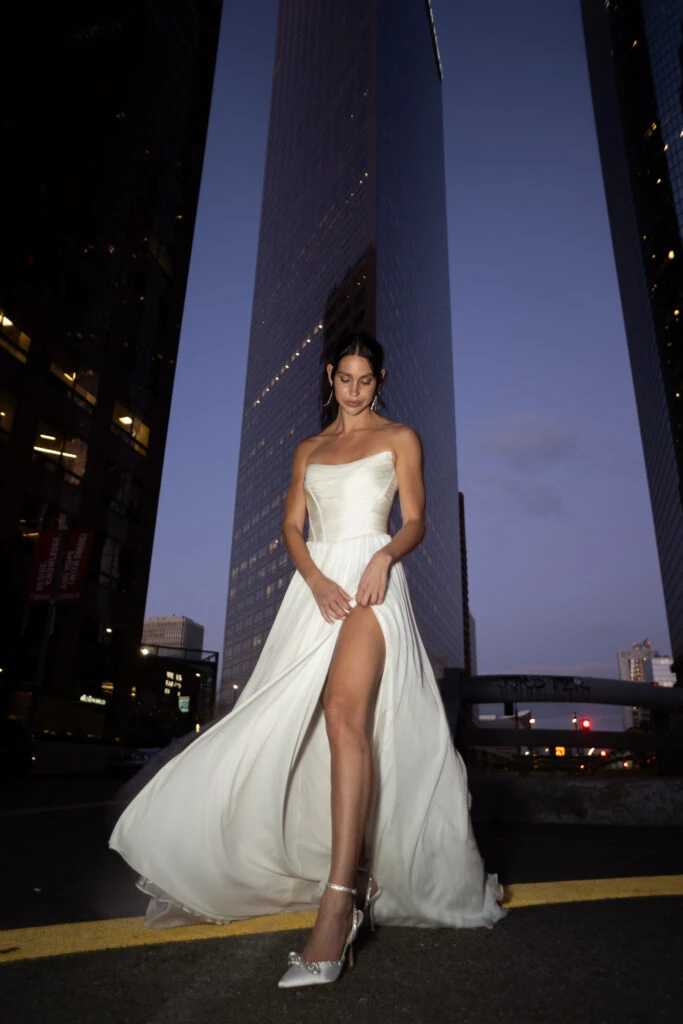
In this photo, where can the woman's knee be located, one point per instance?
(344, 725)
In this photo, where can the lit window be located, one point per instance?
(82, 384)
(13, 339)
(53, 447)
(8, 405)
(134, 431)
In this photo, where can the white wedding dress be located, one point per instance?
(238, 824)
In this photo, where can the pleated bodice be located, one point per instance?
(350, 499)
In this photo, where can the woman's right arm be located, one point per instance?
(332, 599)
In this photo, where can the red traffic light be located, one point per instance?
(585, 724)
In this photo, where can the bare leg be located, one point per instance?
(348, 702)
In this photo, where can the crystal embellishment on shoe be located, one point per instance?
(302, 972)
(296, 960)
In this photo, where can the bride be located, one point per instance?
(335, 773)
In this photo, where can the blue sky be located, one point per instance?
(562, 558)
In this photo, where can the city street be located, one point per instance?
(602, 957)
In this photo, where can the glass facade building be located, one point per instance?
(352, 235)
(104, 131)
(635, 60)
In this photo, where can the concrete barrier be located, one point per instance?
(588, 801)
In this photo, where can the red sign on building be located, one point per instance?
(44, 565)
(78, 544)
(75, 562)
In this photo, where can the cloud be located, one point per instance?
(518, 455)
(528, 443)
(531, 497)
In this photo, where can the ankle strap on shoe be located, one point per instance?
(340, 888)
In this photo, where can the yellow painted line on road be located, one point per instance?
(119, 933)
(58, 807)
(536, 894)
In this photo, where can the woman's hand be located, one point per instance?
(373, 583)
(333, 601)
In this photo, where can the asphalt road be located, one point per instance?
(599, 962)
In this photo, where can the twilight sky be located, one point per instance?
(562, 559)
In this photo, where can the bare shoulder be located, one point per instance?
(303, 451)
(307, 445)
(406, 441)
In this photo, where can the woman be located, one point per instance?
(338, 748)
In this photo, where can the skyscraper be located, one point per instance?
(104, 129)
(635, 60)
(353, 234)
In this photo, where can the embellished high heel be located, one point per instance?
(321, 972)
(370, 898)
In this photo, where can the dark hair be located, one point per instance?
(358, 343)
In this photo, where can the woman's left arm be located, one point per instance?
(373, 583)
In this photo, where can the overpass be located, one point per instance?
(461, 692)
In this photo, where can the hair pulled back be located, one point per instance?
(358, 343)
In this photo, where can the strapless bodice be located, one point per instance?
(350, 499)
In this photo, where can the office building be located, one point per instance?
(632, 661)
(658, 671)
(104, 127)
(174, 692)
(469, 636)
(352, 235)
(173, 631)
(642, 664)
(634, 58)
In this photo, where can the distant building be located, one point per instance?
(659, 672)
(641, 664)
(173, 692)
(473, 645)
(173, 631)
(632, 661)
(470, 666)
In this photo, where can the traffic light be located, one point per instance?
(585, 724)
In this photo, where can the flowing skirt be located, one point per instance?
(238, 824)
